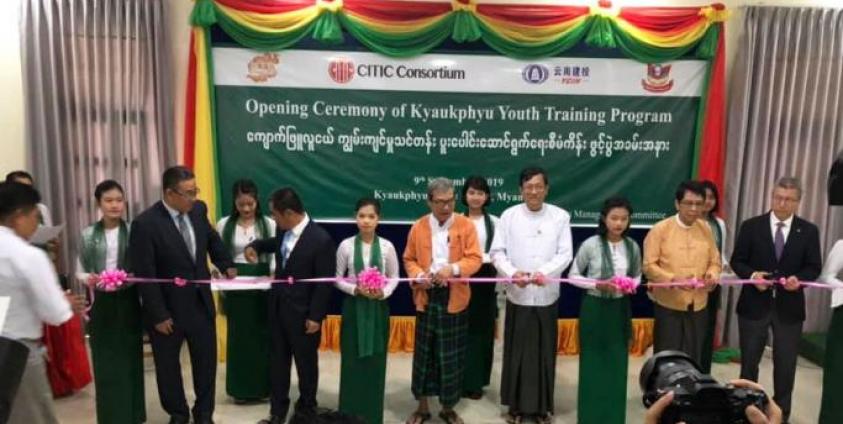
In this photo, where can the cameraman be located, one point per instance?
(773, 414)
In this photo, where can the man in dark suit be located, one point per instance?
(173, 238)
(776, 245)
(302, 249)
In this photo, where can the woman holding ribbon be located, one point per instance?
(605, 315)
(832, 409)
(247, 354)
(365, 316)
(483, 307)
(116, 336)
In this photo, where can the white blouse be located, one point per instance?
(620, 265)
(112, 251)
(245, 235)
(345, 264)
(482, 237)
(831, 273)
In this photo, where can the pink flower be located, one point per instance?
(371, 279)
(625, 284)
(179, 282)
(112, 280)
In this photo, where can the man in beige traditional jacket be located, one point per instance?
(681, 248)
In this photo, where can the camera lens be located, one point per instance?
(698, 398)
(670, 370)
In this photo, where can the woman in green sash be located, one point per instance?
(115, 330)
(831, 411)
(605, 315)
(483, 307)
(247, 355)
(718, 230)
(365, 316)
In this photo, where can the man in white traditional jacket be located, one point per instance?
(532, 242)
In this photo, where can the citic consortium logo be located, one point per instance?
(344, 70)
(341, 70)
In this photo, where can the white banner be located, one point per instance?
(457, 73)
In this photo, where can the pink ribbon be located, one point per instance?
(625, 284)
(112, 280)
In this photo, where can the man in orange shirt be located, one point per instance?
(441, 247)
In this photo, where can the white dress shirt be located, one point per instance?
(174, 214)
(533, 242)
(440, 243)
(28, 277)
(788, 223)
(295, 234)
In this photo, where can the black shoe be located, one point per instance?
(175, 419)
(320, 410)
(513, 417)
(303, 416)
(473, 395)
(273, 419)
(254, 401)
(203, 421)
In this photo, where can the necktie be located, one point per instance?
(285, 251)
(185, 234)
(778, 242)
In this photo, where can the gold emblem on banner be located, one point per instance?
(262, 68)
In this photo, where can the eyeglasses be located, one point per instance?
(692, 203)
(191, 194)
(537, 188)
(443, 202)
(781, 199)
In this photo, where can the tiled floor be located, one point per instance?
(79, 408)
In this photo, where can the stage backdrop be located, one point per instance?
(344, 98)
(338, 125)
(383, 119)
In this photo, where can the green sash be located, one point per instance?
(228, 234)
(371, 322)
(716, 232)
(260, 269)
(490, 231)
(607, 269)
(94, 248)
(633, 269)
